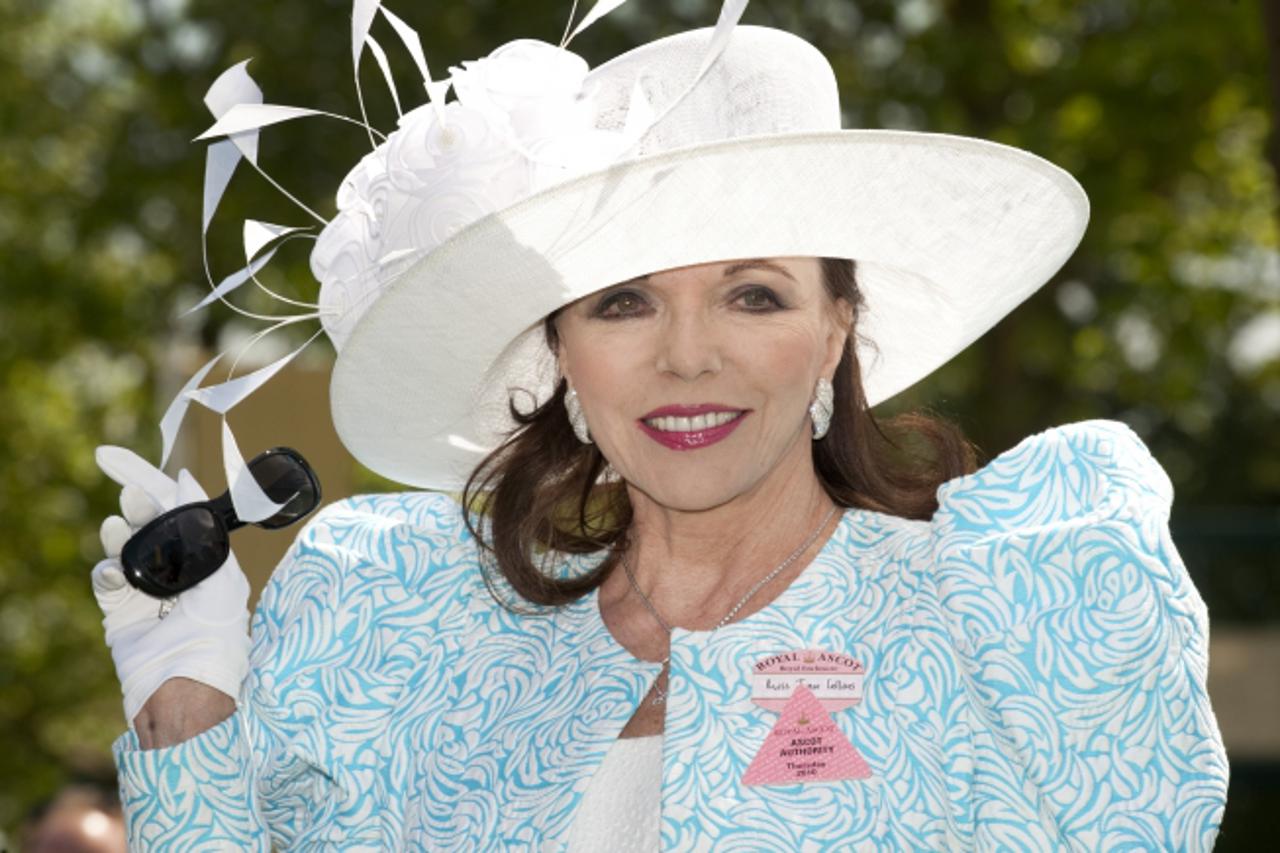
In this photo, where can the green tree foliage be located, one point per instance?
(1168, 317)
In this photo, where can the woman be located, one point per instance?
(693, 596)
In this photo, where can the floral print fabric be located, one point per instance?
(1036, 660)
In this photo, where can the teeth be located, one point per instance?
(693, 424)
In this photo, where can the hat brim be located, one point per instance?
(950, 234)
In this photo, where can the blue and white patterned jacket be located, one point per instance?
(1036, 661)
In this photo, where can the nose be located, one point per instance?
(688, 346)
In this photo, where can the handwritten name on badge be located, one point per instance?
(834, 679)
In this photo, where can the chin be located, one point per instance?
(688, 489)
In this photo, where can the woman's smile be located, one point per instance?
(691, 427)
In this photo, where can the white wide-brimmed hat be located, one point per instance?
(545, 181)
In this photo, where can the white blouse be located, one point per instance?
(619, 810)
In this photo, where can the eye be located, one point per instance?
(759, 298)
(620, 303)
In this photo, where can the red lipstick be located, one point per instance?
(691, 439)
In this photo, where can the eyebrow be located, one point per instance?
(732, 269)
(757, 263)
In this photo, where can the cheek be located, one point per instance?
(783, 362)
(598, 360)
(609, 375)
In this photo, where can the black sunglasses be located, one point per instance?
(176, 550)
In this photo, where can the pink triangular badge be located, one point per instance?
(805, 746)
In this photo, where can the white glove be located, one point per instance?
(202, 634)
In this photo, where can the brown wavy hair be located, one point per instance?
(543, 492)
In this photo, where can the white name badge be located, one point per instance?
(834, 679)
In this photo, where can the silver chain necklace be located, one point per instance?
(660, 694)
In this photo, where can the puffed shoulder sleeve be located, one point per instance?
(1083, 639)
(365, 595)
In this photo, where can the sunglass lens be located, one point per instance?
(176, 551)
(284, 476)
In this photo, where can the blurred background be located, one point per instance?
(1168, 317)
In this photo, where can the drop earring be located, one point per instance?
(577, 419)
(822, 407)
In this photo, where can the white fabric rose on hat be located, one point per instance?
(521, 122)
(536, 91)
(532, 84)
(347, 250)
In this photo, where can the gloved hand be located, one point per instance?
(202, 634)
